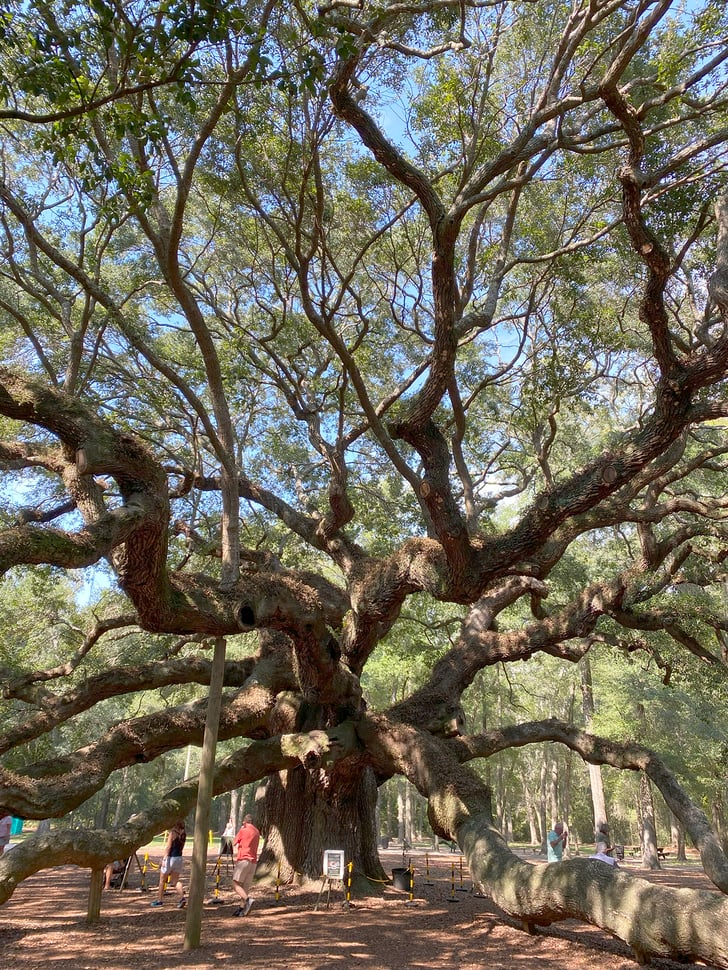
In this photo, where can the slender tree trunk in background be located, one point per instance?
(542, 807)
(508, 826)
(649, 832)
(566, 786)
(188, 762)
(400, 809)
(499, 799)
(234, 813)
(531, 810)
(555, 806)
(677, 838)
(599, 805)
(535, 825)
(415, 817)
(385, 811)
(596, 783)
(408, 834)
(566, 795)
(121, 797)
(721, 830)
(102, 812)
(420, 820)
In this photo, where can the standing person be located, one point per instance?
(6, 823)
(555, 841)
(226, 839)
(172, 863)
(247, 845)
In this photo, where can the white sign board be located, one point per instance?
(334, 864)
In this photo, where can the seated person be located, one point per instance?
(114, 868)
(603, 854)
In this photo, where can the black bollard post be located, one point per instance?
(452, 885)
(461, 888)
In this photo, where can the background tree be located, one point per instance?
(328, 326)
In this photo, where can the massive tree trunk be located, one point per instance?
(310, 810)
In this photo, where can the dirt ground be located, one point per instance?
(445, 925)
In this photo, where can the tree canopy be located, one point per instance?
(325, 325)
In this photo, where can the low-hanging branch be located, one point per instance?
(93, 848)
(628, 756)
(459, 806)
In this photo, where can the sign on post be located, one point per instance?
(334, 864)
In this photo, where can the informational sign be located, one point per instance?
(334, 865)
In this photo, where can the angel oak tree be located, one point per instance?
(317, 319)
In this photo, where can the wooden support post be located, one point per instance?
(196, 896)
(94, 896)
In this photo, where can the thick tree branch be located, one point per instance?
(53, 788)
(94, 848)
(537, 894)
(56, 709)
(624, 756)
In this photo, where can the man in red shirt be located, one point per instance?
(246, 842)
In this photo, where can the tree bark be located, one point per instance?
(596, 784)
(653, 920)
(309, 811)
(198, 864)
(650, 858)
(718, 812)
(677, 838)
(96, 885)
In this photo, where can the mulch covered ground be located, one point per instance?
(446, 925)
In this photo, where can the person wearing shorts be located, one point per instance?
(246, 843)
(172, 864)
